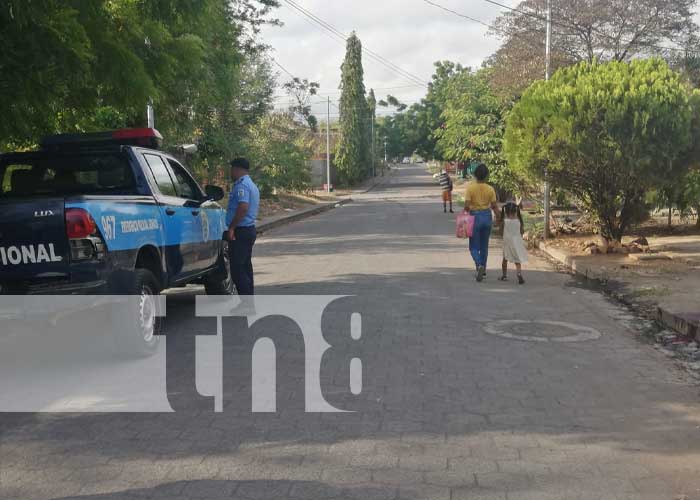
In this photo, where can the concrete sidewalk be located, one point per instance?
(664, 283)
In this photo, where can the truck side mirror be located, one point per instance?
(214, 193)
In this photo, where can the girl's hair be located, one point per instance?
(481, 172)
(511, 208)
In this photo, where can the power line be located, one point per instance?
(343, 37)
(458, 14)
(571, 26)
(489, 26)
(282, 68)
(371, 88)
(560, 24)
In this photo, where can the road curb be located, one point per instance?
(283, 220)
(572, 264)
(688, 327)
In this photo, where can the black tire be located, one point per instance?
(137, 322)
(219, 282)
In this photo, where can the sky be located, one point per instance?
(409, 33)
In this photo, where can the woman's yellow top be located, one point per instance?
(479, 196)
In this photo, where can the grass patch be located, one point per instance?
(649, 291)
(534, 224)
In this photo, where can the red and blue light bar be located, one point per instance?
(144, 137)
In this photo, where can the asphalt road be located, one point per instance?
(469, 391)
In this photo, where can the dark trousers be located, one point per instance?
(241, 258)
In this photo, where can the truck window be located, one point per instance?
(161, 175)
(64, 175)
(185, 185)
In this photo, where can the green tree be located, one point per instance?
(352, 151)
(279, 150)
(606, 133)
(473, 127)
(60, 60)
(371, 129)
(301, 91)
(81, 65)
(681, 189)
(692, 192)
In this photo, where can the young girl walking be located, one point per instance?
(513, 246)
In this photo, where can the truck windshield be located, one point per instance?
(66, 175)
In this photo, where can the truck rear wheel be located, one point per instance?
(219, 282)
(136, 323)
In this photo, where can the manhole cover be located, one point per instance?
(541, 331)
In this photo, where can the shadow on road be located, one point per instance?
(436, 389)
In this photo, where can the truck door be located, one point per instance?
(207, 246)
(181, 229)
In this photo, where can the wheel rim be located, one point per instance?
(147, 314)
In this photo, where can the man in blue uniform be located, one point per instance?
(243, 205)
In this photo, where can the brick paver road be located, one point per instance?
(448, 409)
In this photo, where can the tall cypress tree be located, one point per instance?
(372, 113)
(352, 152)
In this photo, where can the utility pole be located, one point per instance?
(374, 163)
(547, 187)
(328, 148)
(150, 114)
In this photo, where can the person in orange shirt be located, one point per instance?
(480, 201)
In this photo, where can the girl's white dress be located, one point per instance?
(513, 246)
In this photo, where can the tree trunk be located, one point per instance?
(670, 215)
(610, 233)
(697, 215)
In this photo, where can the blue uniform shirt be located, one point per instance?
(244, 191)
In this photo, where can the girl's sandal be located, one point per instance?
(503, 278)
(521, 280)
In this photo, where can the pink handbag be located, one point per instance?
(465, 225)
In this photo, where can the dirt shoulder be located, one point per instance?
(666, 278)
(286, 203)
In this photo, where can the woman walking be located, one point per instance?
(480, 201)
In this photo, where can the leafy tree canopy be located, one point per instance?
(279, 149)
(605, 132)
(473, 126)
(79, 65)
(301, 92)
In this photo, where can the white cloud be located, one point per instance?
(410, 33)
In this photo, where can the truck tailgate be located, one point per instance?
(33, 241)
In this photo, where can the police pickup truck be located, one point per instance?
(108, 214)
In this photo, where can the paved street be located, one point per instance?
(470, 391)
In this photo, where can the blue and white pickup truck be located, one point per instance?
(108, 213)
